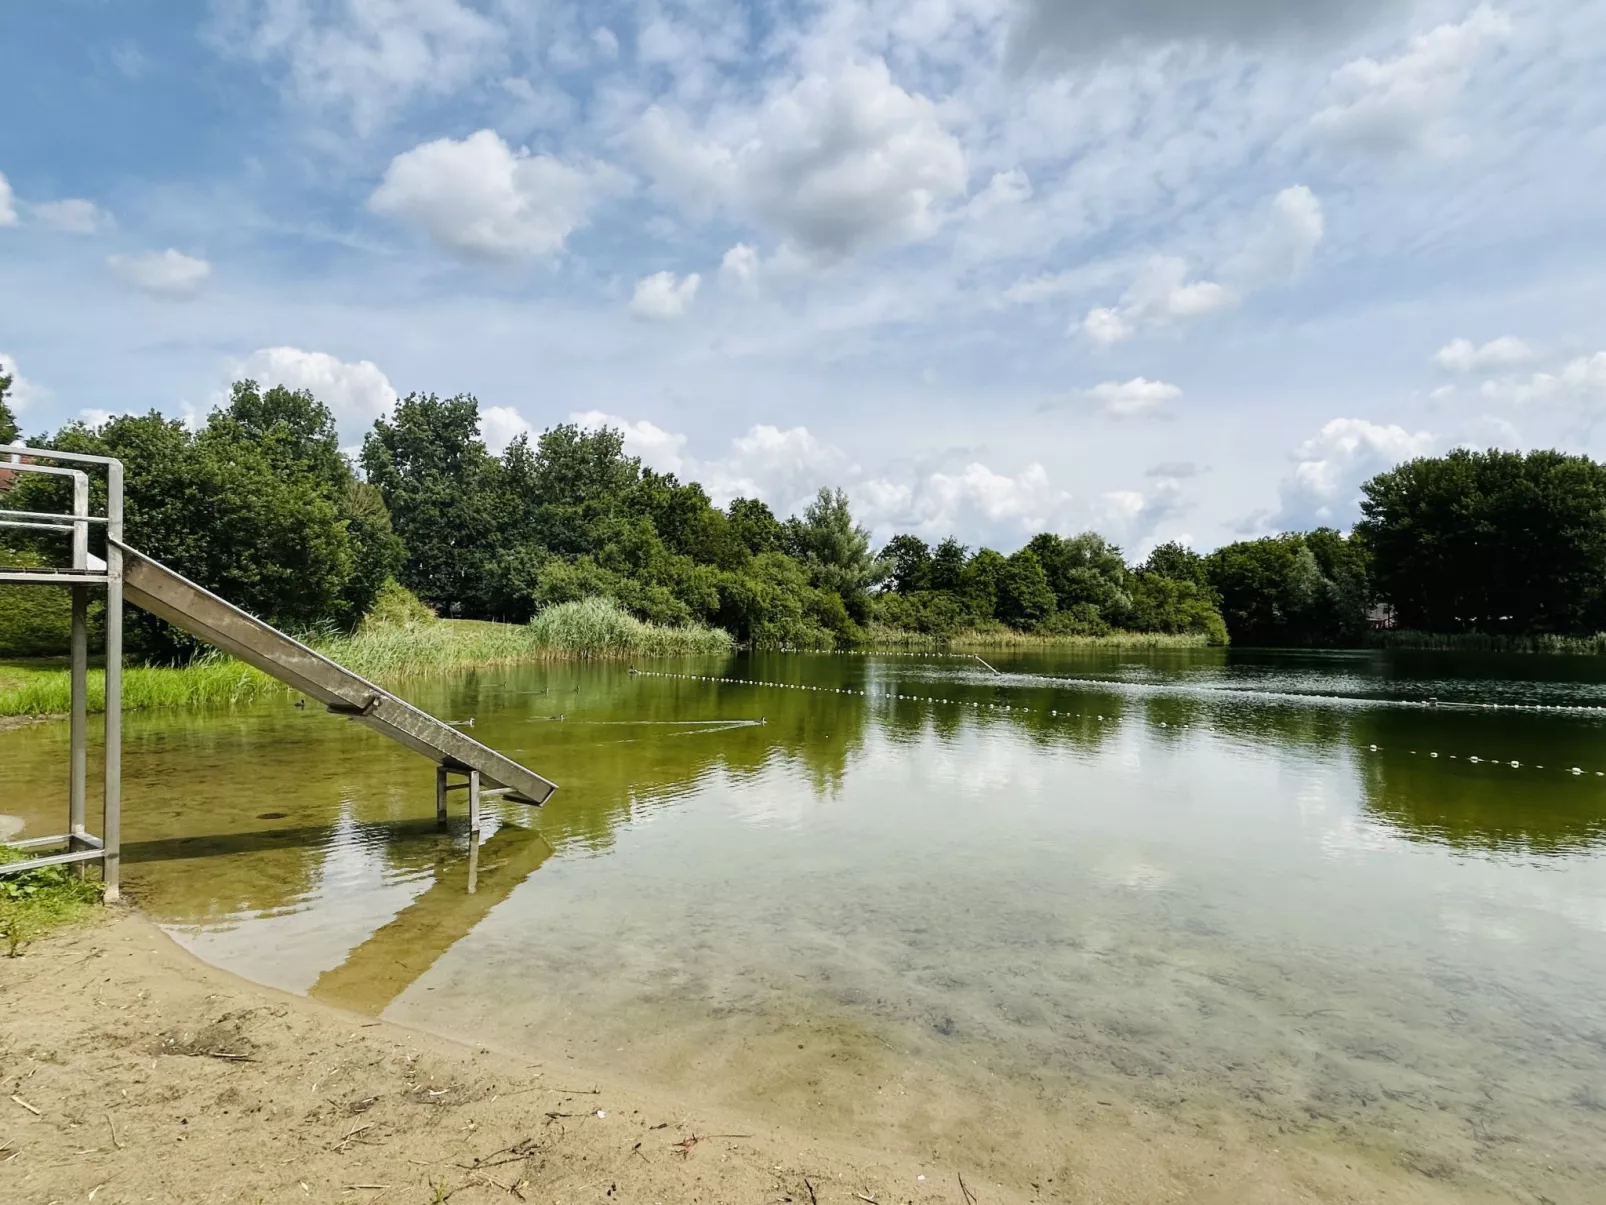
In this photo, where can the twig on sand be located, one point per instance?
(225, 1055)
(350, 1134)
(481, 1178)
(685, 1144)
(862, 1197)
(812, 1199)
(18, 1100)
(970, 1197)
(110, 1125)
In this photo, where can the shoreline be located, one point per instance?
(142, 1070)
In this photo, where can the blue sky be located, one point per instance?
(1161, 269)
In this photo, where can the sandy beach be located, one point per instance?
(131, 1071)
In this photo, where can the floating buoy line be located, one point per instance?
(889, 695)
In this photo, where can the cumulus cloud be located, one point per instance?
(501, 425)
(658, 449)
(1163, 294)
(167, 273)
(363, 57)
(1324, 486)
(740, 266)
(357, 392)
(8, 205)
(1166, 293)
(1282, 247)
(1462, 355)
(23, 392)
(833, 163)
(663, 297)
(481, 199)
(1404, 104)
(72, 215)
(1080, 28)
(971, 497)
(1137, 396)
(1581, 381)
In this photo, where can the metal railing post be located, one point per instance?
(113, 825)
(79, 648)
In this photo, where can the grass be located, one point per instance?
(1008, 638)
(381, 651)
(1481, 642)
(38, 900)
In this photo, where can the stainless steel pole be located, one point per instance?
(79, 648)
(113, 828)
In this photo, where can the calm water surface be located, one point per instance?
(1227, 886)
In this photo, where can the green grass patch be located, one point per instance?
(1008, 638)
(383, 652)
(1482, 642)
(36, 901)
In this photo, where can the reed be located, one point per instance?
(384, 652)
(1484, 642)
(1007, 638)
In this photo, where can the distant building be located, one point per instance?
(1380, 617)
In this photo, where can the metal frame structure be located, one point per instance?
(81, 846)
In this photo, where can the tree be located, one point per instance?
(8, 421)
(1177, 562)
(983, 579)
(1084, 569)
(754, 526)
(835, 550)
(1024, 598)
(217, 506)
(907, 563)
(948, 565)
(446, 498)
(1490, 541)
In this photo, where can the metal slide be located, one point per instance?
(154, 587)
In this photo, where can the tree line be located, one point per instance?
(261, 505)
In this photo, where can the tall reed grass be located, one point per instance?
(384, 652)
(1002, 637)
(1482, 642)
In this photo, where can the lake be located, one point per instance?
(1354, 903)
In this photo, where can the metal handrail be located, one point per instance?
(108, 849)
(55, 516)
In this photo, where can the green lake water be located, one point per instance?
(1216, 886)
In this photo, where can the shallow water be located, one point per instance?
(1237, 888)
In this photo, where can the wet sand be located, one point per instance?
(131, 1071)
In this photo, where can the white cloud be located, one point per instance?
(1324, 486)
(1161, 296)
(606, 42)
(833, 163)
(8, 207)
(1282, 248)
(23, 392)
(501, 425)
(357, 392)
(1582, 380)
(481, 199)
(659, 449)
(1137, 396)
(72, 215)
(365, 56)
(1462, 355)
(1405, 103)
(663, 297)
(167, 273)
(1165, 293)
(739, 266)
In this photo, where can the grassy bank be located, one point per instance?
(36, 901)
(383, 652)
(1007, 638)
(1480, 642)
